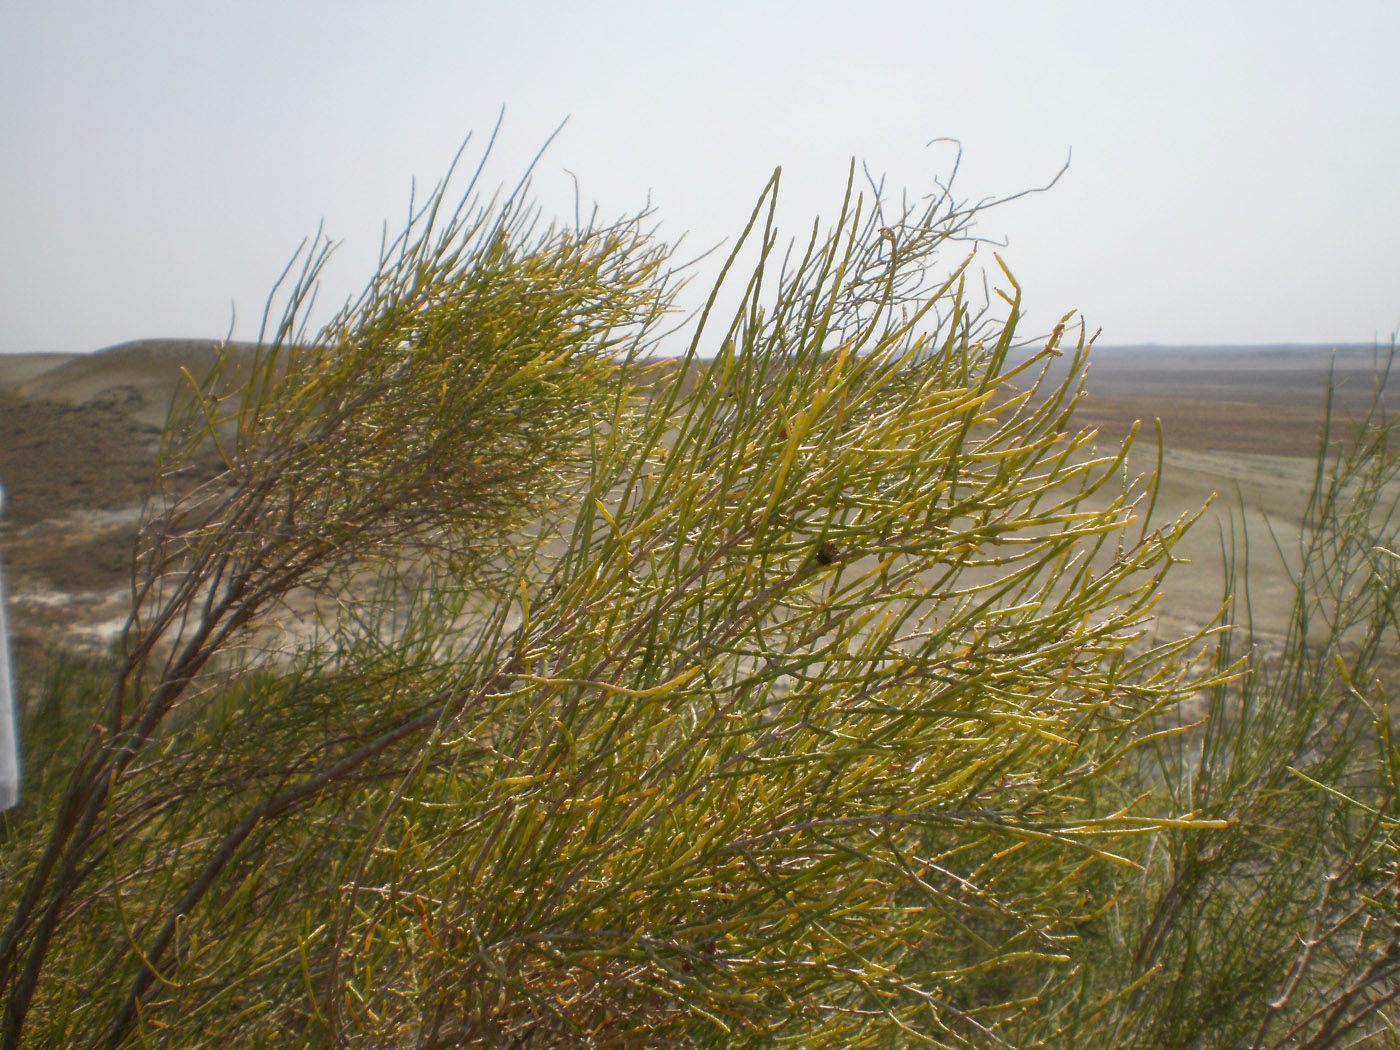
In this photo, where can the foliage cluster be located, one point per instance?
(801, 694)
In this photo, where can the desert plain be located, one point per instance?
(1241, 426)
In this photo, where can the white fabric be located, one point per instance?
(9, 717)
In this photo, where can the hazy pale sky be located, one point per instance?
(1234, 178)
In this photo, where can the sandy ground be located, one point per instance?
(79, 433)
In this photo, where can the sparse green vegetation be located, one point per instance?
(797, 694)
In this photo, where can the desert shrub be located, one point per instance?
(794, 693)
(1282, 928)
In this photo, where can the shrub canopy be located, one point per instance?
(797, 692)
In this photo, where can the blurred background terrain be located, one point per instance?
(80, 435)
